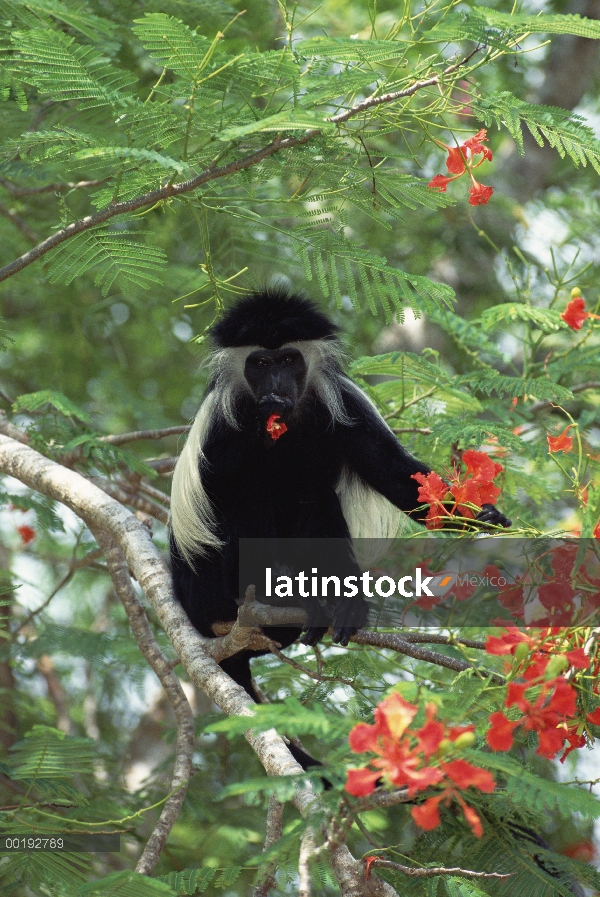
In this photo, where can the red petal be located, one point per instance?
(575, 314)
(500, 734)
(473, 820)
(275, 427)
(562, 443)
(427, 815)
(465, 774)
(439, 182)
(361, 782)
(455, 162)
(479, 194)
(364, 738)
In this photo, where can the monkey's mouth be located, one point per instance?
(274, 404)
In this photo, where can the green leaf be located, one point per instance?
(347, 50)
(44, 509)
(475, 24)
(490, 382)
(29, 13)
(112, 253)
(545, 319)
(111, 154)
(538, 794)
(294, 120)
(47, 753)
(563, 130)
(173, 44)
(462, 887)
(57, 66)
(189, 881)
(34, 401)
(128, 884)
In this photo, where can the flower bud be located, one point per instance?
(575, 293)
(521, 651)
(465, 740)
(558, 664)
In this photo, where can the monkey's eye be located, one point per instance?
(287, 359)
(261, 362)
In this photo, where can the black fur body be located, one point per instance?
(337, 471)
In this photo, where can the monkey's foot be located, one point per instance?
(343, 634)
(313, 635)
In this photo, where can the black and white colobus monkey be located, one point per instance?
(284, 445)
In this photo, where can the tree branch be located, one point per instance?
(184, 718)
(19, 223)
(49, 188)
(429, 872)
(273, 834)
(122, 438)
(169, 190)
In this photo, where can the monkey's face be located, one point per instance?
(277, 378)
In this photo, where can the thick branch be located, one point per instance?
(99, 511)
(168, 191)
(184, 718)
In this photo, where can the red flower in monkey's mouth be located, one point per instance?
(275, 427)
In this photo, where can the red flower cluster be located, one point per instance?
(452, 498)
(414, 758)
(575, 314)
(27, 533)
(460, 159)
(550, 709)
(275, 427)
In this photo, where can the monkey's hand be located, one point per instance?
(489, 514)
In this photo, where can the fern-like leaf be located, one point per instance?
(347, 50)
(174, 45)
(112, 253)
(547, 319)
(64, 70)
(35, 401)
(190, 881)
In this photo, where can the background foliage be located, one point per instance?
(104, 102)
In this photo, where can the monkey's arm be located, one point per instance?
(372, 451)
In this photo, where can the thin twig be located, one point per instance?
(437, 870)
(184, 718)
(76, 564)
(397, 643)
(149, 508)
(170, 190)
(298, 666)
(19, 223)
(163, 466)
(122, 438)
(49, 188)
(273, 834)
(424, 431)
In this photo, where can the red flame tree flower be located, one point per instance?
(460, 160)
(417, 759)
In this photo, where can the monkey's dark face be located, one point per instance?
(277, 378)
